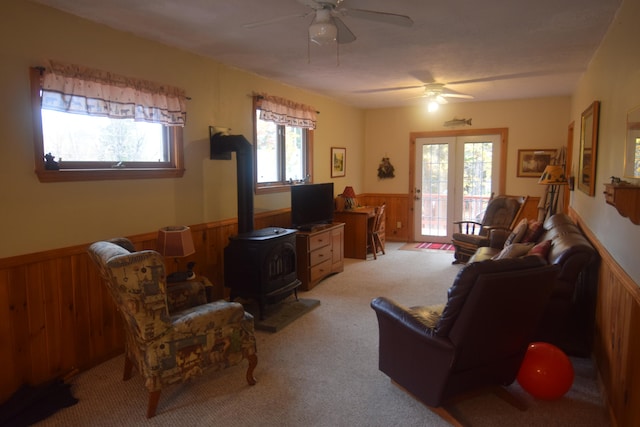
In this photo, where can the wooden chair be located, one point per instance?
(376, 242)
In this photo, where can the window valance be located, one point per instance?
(82, 90)
(285, 112)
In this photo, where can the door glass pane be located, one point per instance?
(435, 172)
(478, 161)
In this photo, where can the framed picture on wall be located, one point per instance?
(531, 163)
(588, 149)
(338, 162)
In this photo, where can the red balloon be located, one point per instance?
(546, 372)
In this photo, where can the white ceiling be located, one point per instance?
(491, 49)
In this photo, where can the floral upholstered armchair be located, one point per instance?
(172, 334)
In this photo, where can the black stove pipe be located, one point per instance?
(221, 148)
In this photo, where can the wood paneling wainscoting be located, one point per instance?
(398, 210)
(57, 316)
(616, 348)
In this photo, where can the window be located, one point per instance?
(86, 136)
(283, 147)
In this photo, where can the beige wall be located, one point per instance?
(539, 123)
(40, 216)
(44, 216)
(613, 78)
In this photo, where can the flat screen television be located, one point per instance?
(311, 205)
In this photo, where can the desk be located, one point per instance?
(356, 229)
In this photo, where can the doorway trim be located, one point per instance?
(413, 136)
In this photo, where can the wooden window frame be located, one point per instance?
(275, 187)
(93, 171)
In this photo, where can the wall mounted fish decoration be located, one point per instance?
(458, 122)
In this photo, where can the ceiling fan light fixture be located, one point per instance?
(433, 105)
(323, 33)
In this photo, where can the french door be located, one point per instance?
(454, 179)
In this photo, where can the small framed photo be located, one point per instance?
(531, 163)
(338, 162)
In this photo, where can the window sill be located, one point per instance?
(69, 175)
(275, 188)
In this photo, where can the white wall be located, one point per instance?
(613, 78)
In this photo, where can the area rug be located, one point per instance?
(427, 246)
(279, 315)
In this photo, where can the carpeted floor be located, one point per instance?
(322, 369)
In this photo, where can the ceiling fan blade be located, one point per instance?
(457, 95)
(275, 20)
(385, 17)
(388, 89)
(344, 33)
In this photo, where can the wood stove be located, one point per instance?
(261, 265)
(258, 264)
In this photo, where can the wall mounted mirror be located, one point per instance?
(588, 148)
(632, 146)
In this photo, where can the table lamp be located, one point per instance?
(553, 176)
(349, 197)
(177, 242)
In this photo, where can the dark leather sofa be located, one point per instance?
(569, 316)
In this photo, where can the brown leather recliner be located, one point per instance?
(478, 341)
(502, 213)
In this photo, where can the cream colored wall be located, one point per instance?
(539, 123)
(613, 78)
(40, 216)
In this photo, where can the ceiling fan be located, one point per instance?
(435, 93)
(439, 93)
(327, 25)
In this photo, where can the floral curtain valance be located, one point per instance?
(285, 112)
(82, 90)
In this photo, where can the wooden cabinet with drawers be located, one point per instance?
(319, 253)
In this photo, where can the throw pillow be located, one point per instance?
(541, 249)
(518, 233)
(514, 250)
(534, 231)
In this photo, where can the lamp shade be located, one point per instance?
(175, 241)
(553, 175)
(349, 192)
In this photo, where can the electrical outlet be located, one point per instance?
(398, 224)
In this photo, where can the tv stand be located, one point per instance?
(319, 253)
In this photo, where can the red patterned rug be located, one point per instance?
(440, 246)
(418, 246)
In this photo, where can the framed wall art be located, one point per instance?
(531, 163)
(588, 149)
(632, 146)
(338, 162)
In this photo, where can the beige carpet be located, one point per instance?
(322, 369)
